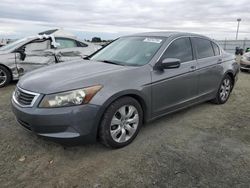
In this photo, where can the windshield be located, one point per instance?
(12, 45)
(134, 51)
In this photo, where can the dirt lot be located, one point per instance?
(203, 146)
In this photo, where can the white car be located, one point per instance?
(49, 47)
(245, 62)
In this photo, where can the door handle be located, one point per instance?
(219, 61)
(193, 67)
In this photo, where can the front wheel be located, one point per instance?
(121, 123)
(5, 76)
(224, 90)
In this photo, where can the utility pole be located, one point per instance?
(238, 20)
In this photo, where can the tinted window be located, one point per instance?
(180, 49)
(216, 49)
(204, 48)
(66, 43)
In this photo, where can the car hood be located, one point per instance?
(68, 76)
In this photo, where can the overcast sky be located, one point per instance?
(113, 18)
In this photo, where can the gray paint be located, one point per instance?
(159, 91)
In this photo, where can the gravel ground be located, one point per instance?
(203, 146)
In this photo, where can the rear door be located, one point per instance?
(174, 88)
(67, 50)
(208, 65)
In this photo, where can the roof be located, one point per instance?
(48, 32)
(58, 33)
(167, 34)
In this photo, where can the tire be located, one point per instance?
(117, 130)
(224, 90)
(5, 76)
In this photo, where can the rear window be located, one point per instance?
(216, 49)
(203, 47)
(66, 43)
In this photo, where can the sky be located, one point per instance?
(110, 19)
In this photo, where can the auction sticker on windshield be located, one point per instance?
(153, 40)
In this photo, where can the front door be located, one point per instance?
(35, 54)
(173, 88)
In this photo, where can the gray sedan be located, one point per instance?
(34, 52)
(131, 81)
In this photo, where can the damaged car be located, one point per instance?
(34, 52)
(245, 62)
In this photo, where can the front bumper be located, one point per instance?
(68, 123)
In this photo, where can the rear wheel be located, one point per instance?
(224, 90)
(121, 123)
(5, 76)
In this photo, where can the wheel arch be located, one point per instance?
(129, 93)
(231, 74)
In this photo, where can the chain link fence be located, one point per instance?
(230, 45)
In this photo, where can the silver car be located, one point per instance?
(245, 62)
(34, 52)
(133, 80)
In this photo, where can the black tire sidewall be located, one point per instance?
(105, 125)
(8, 74)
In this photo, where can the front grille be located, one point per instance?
(24, 98)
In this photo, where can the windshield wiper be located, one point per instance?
(111, 62)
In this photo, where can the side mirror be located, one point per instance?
(169, 63)
(21, 51)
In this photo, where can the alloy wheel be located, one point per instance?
(225, 89)
(124, 123)
(3, 77)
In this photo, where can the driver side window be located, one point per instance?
(37, 45)
(181, 49)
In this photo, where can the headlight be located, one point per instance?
(70, 98)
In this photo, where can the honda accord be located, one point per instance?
(112, 93)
